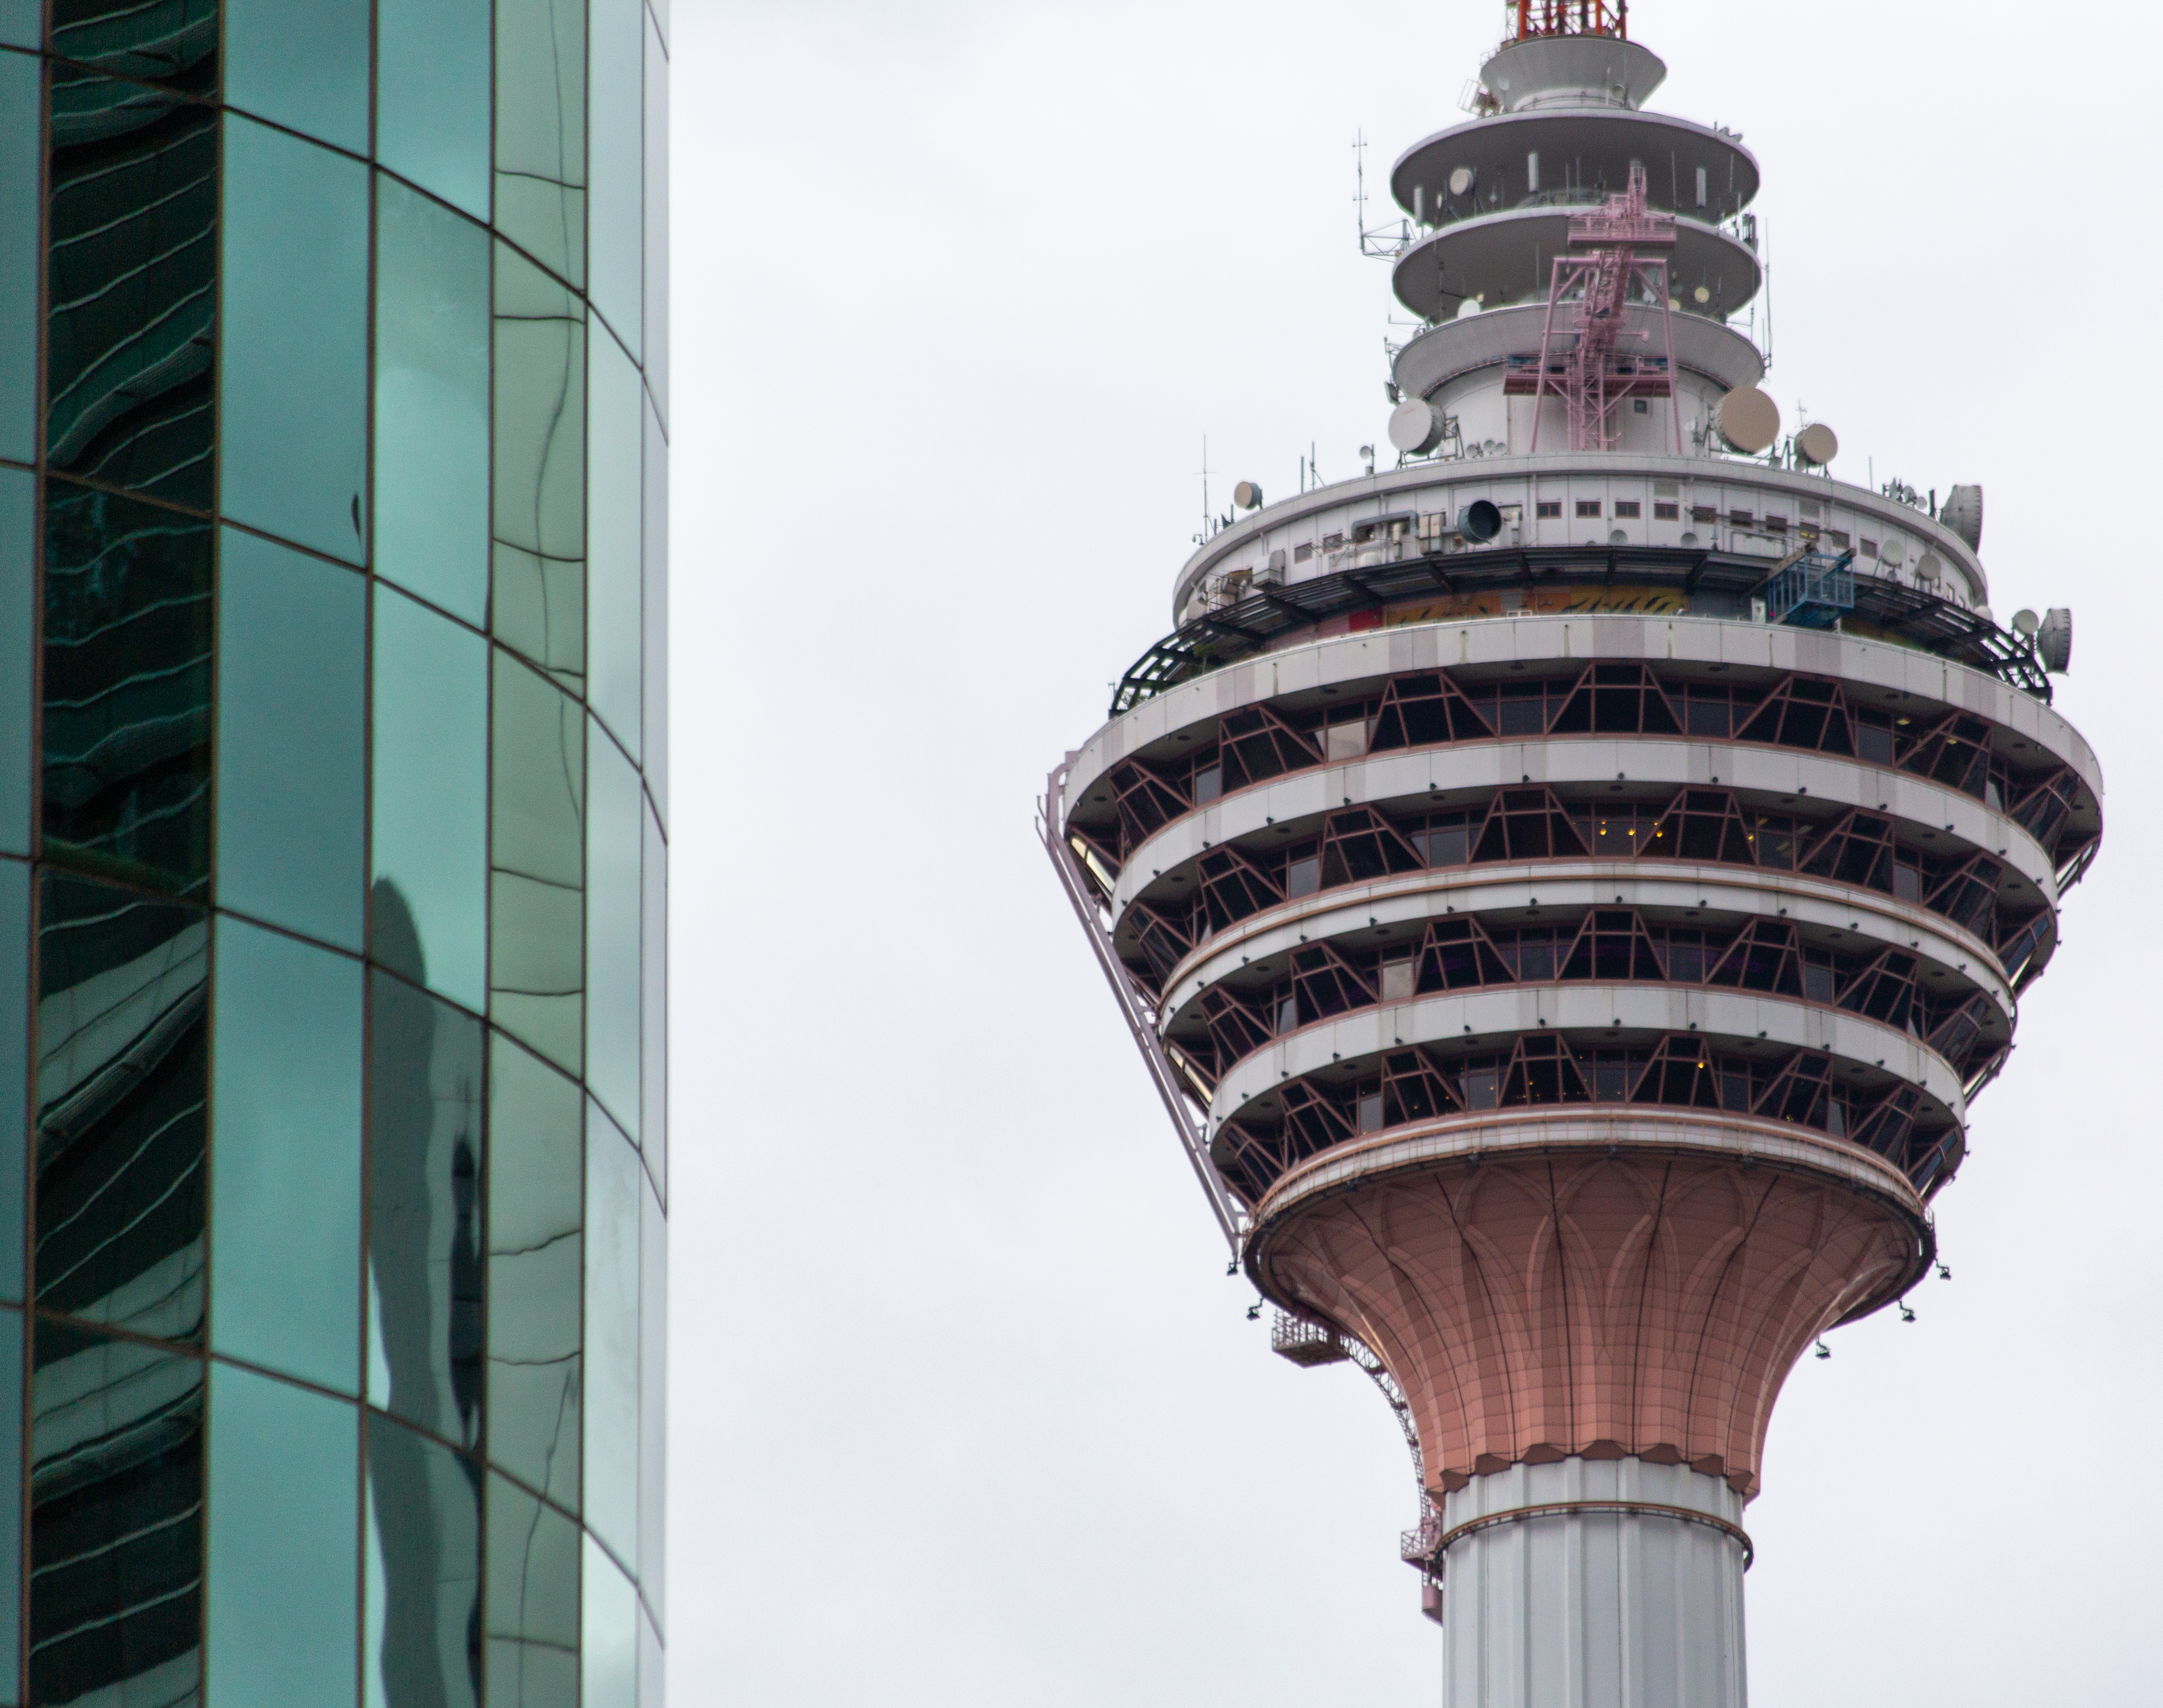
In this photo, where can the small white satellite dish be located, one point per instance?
(2026, 622)
(1894, 551)
(1817, 444)
(1415, 427)
(1247, 495)
(1460, 181)
(1749, 420)
(1467, 308)
(1703, 294)
(1929, 567)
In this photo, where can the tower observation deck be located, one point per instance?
(1570, 888)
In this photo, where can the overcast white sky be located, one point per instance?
(965, 1410)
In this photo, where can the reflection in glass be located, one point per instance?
(285, 1186)
(292, 720)
(615, 501)
(19, 147)
(541, 131)
(430, 827)
(14, 1071)
(614, 925)
(612, 1340)
(19, 594)
(535, 1179)
(533, 1602)
(424, 1623)
(127, 688)
(540, 569)
(169, 41)
(303, 62)
(652, 1396)
(537, 880)
(282, 1563)
(432, 97)
(133, 267)
(424, 1174)
(432, 400)
(616, 147)
(653, 1019)
(654, 760)
(116, 1520)
(608, 1646)
(120, 1098)
(293, 385)
(655, 354)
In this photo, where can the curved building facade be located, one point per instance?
(333, 860)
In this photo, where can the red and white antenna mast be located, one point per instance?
(1537, 17)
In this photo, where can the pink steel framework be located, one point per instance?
(1596, 379)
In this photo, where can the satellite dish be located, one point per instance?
(1479, 521)
(1703, 294)
(1467, 308)
(1929, 566)
(1247, 495)
(1415, 427)
(2054, 641)
(1749, 420)
(2026, 622)
(1460, 181)
(1895, 550)
(1963, 514)
(1817, 444)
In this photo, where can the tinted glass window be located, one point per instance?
(283, 1567)
(303, 63)
(655, 661)
(424, 1238)
(655, 343)
(121, 1084)
(20, 102)
(22, 23)
(116, 1520)
(535, 1270)
(14, 1000)
(541, 130)
(424, 1620)
(615, 502)
(532, 1601)
(608, 1646)
(430, 799)
(614, 824)
(127, 687)
(431, 392)
(292, 707)
(612, 1340)
(11, 1500)
(540, 568)
(293, 398)
(652, 1393)
(616, 150)
(536, 971)
(18, 573)
(432, 97)
(171, 41)
(653, 1019)
(285, 1209)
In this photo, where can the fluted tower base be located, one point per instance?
(1594, 1584)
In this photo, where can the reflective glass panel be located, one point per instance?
(121, 1084)
(608, 1646)
(614, 503)
(133, 281)
(612, 1178)
(11, 1506)
(432, 97)
(540, 553)
(127, 688)
(535, 1182)
(424, 1240)
(541, 131)
(21, 23)
(654, 339)
(292, 709)
(655, 662)
(301, 62)
(14, 1069)
(614, 925)
(19, 592)
(293, 387)
(615, 151)
(423, 1617)
(20, 98)
(286, 1183)
(431, 321)
(169, 41)
(535, 973)
(652, 1394)
(652, 1663)
(653, 1019)
(285, 1466)
(116, 1520)
(431, 800)
(532, 1601)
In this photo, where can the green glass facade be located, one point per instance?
(333, 821)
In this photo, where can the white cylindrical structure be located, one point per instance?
(1594, 1584)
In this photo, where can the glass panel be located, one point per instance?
(660, 11)
(616, 147)
(535, 972)
(431, 792)
(283, 1568)
(655, 337)
(540, 568)
(127, 688)
(615, 498)
(432, 97)
(20, 100)
(608, 1647)
(121, 1088)
(11, 1506)
(541, 131)
(423, 1572)
(432, 319)
(116, 1520)
(293, 712)
(133, 281)
(653, 1018)
(652, 1394)
(174, 41)
(14, 1071)
(303, 63)
(21, 24)
(613, 929)
(424, 1240)
(532, 1601)
(652, 1664)
(612, 1191)
(536, 1179)
(655, 661)
(19, 592)
(293, 391)
(286, 1183)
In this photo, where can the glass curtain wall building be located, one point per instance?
(334, 440)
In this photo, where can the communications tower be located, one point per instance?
(1569, 887)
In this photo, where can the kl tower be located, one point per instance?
(1569, 887)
